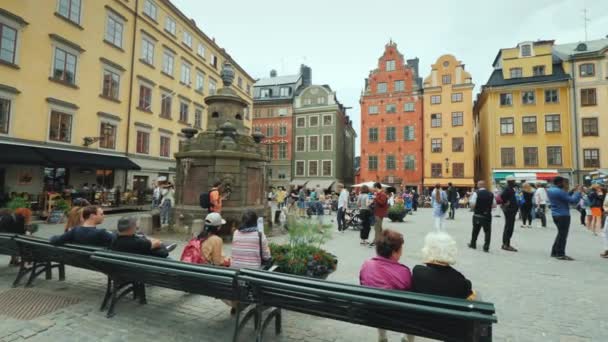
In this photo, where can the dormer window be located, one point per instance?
(266, 93)
(526, 50)
(538, 70)
(515, 72)
(285, 91)
(390, 65)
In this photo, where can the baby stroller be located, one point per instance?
(352, 219)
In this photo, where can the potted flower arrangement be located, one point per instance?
(397, 212)
(302, 254)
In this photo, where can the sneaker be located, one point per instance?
(565, 257)
(372, 244)
(604, 255)
(171, 247)
(471, 246)
(509, 248)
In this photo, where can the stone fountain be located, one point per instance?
(224, 152)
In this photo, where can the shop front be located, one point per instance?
(532, 176)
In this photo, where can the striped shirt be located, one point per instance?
(246, 250)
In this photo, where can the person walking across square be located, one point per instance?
(541, 199)
(380, 210)
(560, 210)
(342, 206)
(453, 200)
(509, 208)
(482, 201)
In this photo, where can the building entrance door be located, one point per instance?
(140, 185)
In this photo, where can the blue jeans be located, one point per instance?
(165, 213)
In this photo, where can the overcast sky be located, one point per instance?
(341, 40)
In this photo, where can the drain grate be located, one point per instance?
(26, 304)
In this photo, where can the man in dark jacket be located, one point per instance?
(482, 201)
(453, 200)
(87, 234)
(509, 208)
(129, 242)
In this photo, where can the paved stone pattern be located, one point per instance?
(537, 298)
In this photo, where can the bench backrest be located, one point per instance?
(38, 249)
(421, 315)
(8, 246)
(218, 282)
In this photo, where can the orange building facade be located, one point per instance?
(391, 122)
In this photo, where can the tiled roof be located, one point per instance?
(496, 79)
(271, 81)
(570, 49)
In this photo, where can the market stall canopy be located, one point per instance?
(457, 182)
(526, 175)
(369, 185)
(319, 183)
(298, 182)
(34, 155)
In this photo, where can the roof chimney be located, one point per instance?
(306, 73)
(273, 73)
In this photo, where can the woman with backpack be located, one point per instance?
(596, 202)
(439, 202)
(207, 247)
(526, 205)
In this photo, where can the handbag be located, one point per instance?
(266, 264)
(444, 206)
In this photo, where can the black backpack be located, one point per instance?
(205, 200)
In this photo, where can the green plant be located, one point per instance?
(18, 202)
(308, 232)
(397, 208)
(62, 205)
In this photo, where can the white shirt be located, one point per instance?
(343, 199)
(156, 193)
(473, 199)
(540, 196)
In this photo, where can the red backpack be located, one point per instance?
(193, 252)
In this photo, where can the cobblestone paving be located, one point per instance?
(537, 298)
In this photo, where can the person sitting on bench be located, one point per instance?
(129, 241)
(87, 233)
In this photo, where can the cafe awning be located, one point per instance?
(35, 155)
(526, 175)
(457, 182)
(319, 183)
(298, 182)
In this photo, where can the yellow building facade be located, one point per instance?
(523, 117)
(448, 125)
(98, 91)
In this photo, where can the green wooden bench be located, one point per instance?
(441, 318)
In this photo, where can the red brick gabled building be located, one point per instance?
(391, 122)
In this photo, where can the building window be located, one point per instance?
(301, 122)
(282, 131)
(436, 145)
(313, 121)
(147, 51)
(165, 146)
(552, 123)
(391, 108)
(8, 43)
(507, 156)
(61, 127)
(165, 106)
(327, 143)
(456, 97)
(551, 96)
(111, 84)
(269, 132)
(327, 169)
(70, 9)
(588, 97)
(373, 134)
(408, 106)
(200, 81)
(458, 170)
(198, 118)
(282, 151)
(528, 97)
(436, 170)
(390, 162)
(183, 112)
(187, 39)
(381, 88)
(506, 99)
(554, 155)
(591, 157)
(538, 70)
(185, 75)
(515, 72)
(328, 120)
(114, 29)
(372, 110)
(145, 97)
(507, 126)
(299, 168)
(300, 144)
(150, 9)
(270, 152)
(107, 135)
(283, 111)
(5, 115)
(265, 93)
(313, 143)
(391, 134)
(313, 168)
(239, 82)
(530, 156)
(528, 125)
(170, 25)
(390, 65)
(436, 120)
(457, 144)
(320, 100)
(372, 163)
(408, 133)
(399, 85)
(526, 50)
(586, 70)
(64, 67)
(143, 142)
(168, 60)
(214, 61)
(590, 127)
(284, 91)
(201, 50)
(212, 86)
(435, 99)
(446, 79)
(457, 119)
(410, 162)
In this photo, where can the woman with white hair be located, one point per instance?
(437, 277)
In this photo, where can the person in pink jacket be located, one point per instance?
(385, 271)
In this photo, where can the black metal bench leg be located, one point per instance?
(30, 280)
(113, 300)
(142, 293)
(61, 272)
(259, 330)
(106, 297)
(48, 271)
(22, 272)
(278, 324)
(237, 328)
